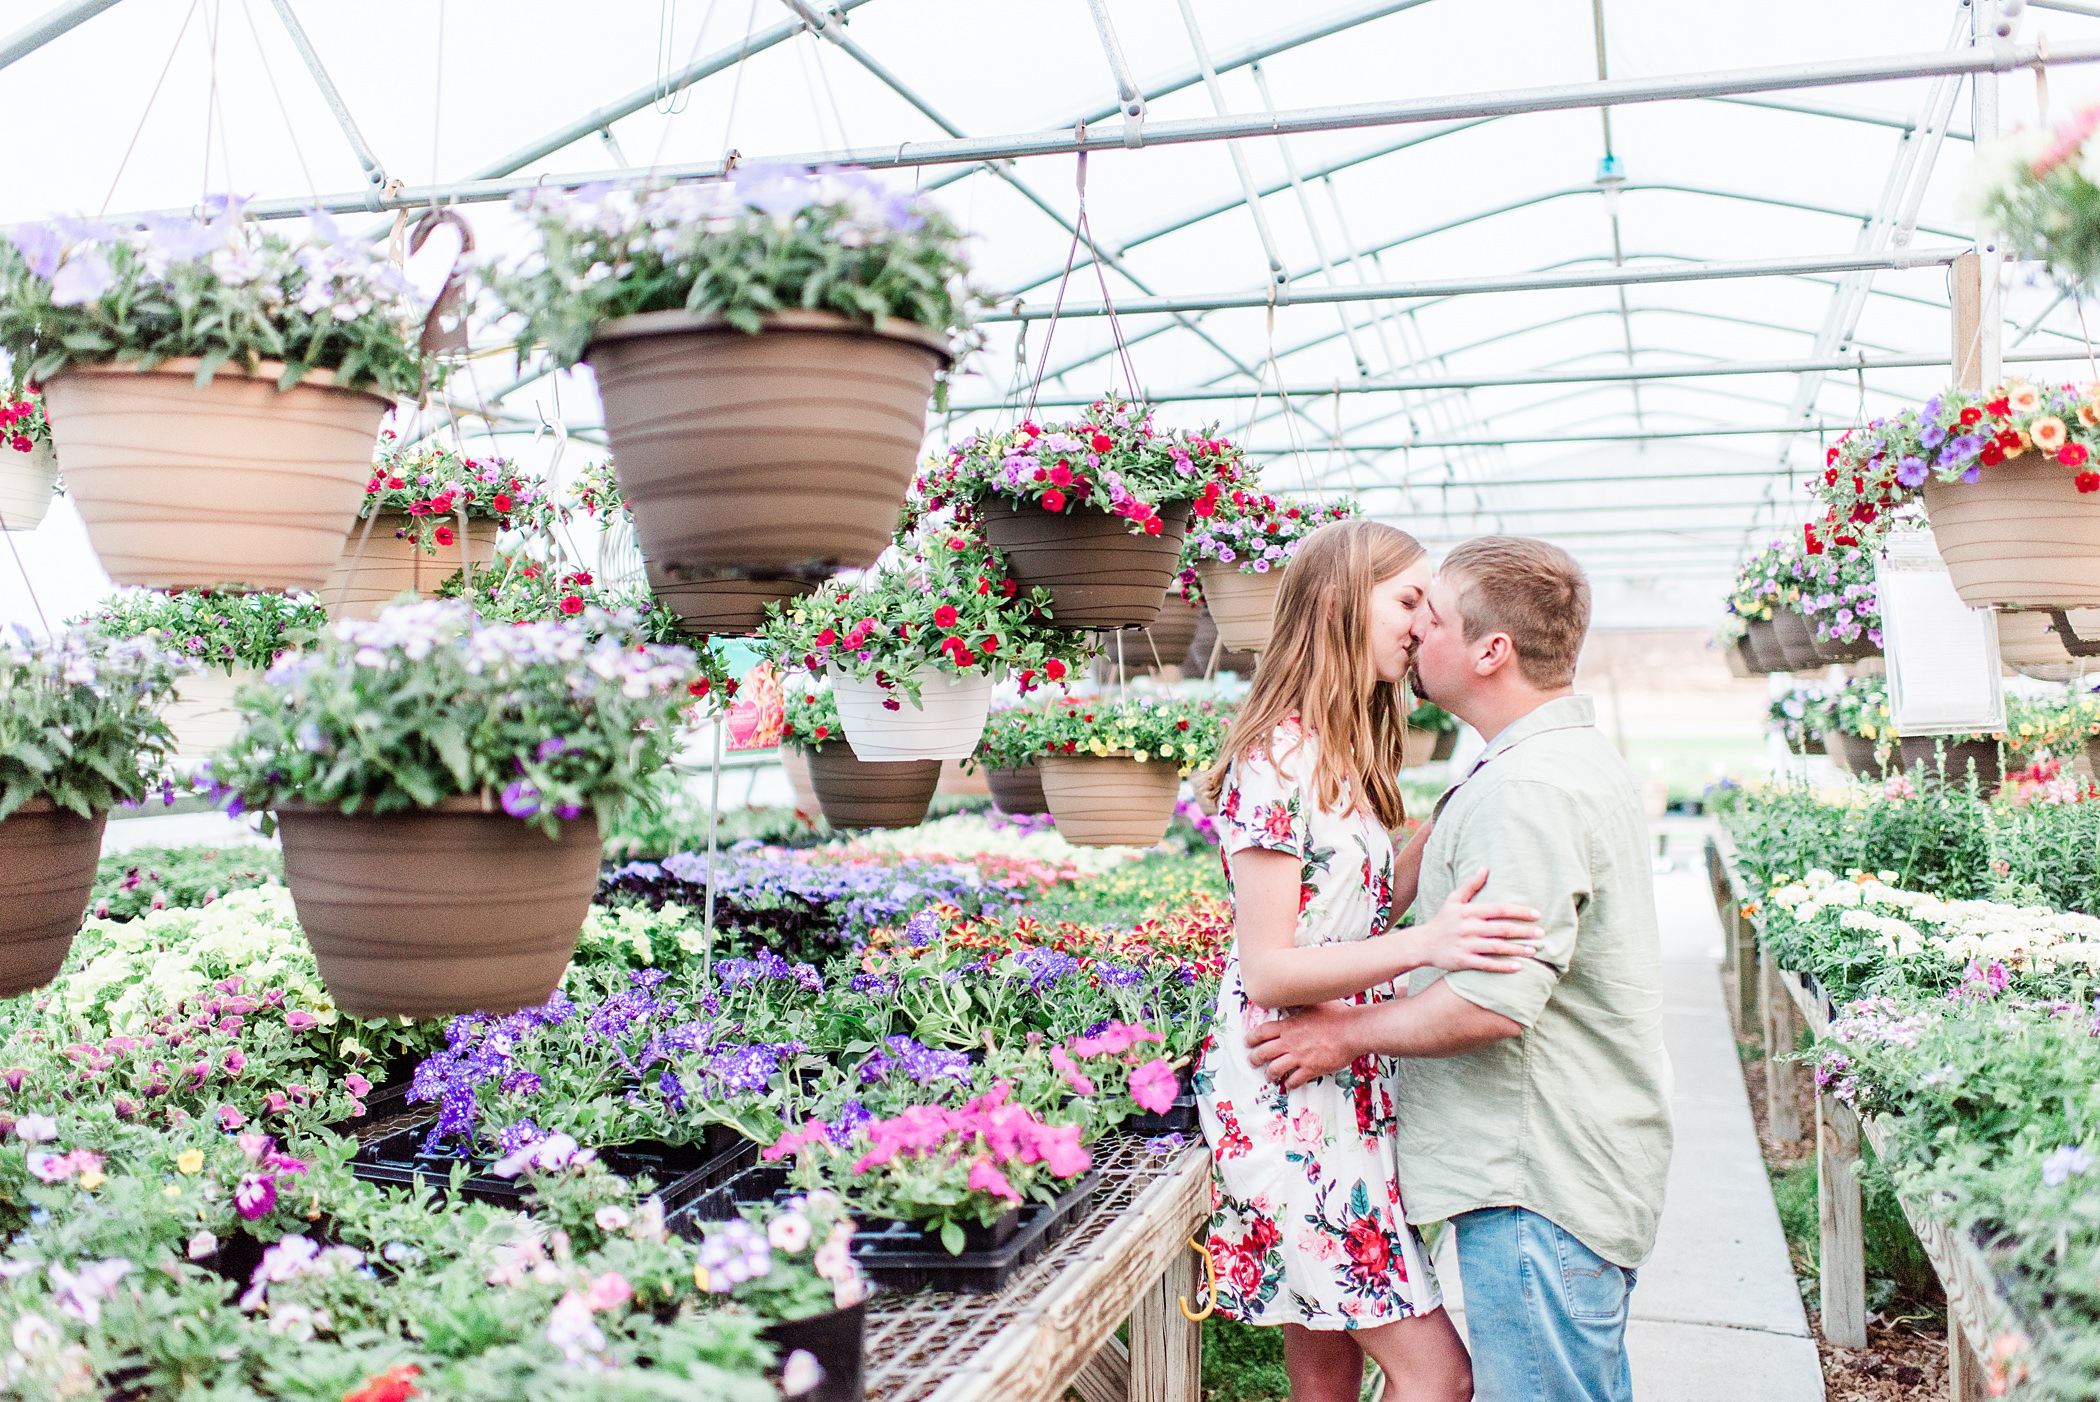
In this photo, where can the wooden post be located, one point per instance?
(1782, 1029)
(1965, 293)
(1106, 1376)
(1166, 1350)
(1968, 1380)
(1746, 964)
(1843, 1249)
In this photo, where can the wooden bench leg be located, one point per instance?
(1166, 1350)
(1968, 1380)
(1746, 978)
(1783, 1078)
(1843, 1242)
(1106, 1376)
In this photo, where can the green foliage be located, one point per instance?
(2036, 188)
(80, 720)
(1180, 731)
(128, 884)
(2048, 854)
(1940, 840)
(225, 292)
(775, 239)
(1135, 891)
(428, 702)
(1243, 1363)
(226, 631)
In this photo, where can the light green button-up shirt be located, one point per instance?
(1571, 1118)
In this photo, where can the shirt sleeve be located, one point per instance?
(1530, 837)
(1262, 807)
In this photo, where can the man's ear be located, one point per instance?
(1496, 651)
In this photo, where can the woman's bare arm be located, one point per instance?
(1407, 871)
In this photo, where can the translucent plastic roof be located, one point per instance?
(1658, 484)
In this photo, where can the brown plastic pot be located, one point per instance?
(1018, 791)
(1763, 640)
(727, 607)
(1198, 662)
(1935, 751)
(780, 455)
(392, 564)
(28, 482)
(451, 909)
(1830, 650)
(234, 485)
(2022, 535)
(1099, 572)
(1797, 641)
(863, 793)
(1859, 756)
(1110, 800)
(47, 868)
(796, 763)
(1243, 604)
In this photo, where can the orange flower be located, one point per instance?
(2048, 433)
(394, 1385)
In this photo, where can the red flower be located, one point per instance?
(1991, 455)
(395, 484)
(984, 586)
(2087, 481)
(823, 732)
(1053, 500)
(988, 645)
(501, 502)
(1999, 406)
(1152, 525)
(827, 636)
(958, 544)
(1205, 506)
(444, 535)
(20, 443)
(698, 688)
(1009, 587)
(1102, 442)
(394, 1385)
(1970, 415)
(944, 616)
(1054, 669)
(572, 604)
(1367, 1247)
(2071, 455)
(1061, 475)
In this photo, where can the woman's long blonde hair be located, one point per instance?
(1318, 667)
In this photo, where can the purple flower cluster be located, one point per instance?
(733, 973)
(921, 1065)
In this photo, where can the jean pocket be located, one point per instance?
(1591, 1287)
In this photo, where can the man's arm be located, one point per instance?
(1321, 1040)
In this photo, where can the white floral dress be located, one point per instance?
(1307, 1226)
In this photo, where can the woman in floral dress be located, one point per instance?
(1308, 1230)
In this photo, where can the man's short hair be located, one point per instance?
(1530, 590)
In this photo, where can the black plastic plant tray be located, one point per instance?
(681, 1172)
(904, 1255)
(1178, 1118)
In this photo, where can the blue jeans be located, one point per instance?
(1545, 1314)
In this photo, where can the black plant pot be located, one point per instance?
(838, 1341)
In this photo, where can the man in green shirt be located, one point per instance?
(1533, 1106)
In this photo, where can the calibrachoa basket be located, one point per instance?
(28, 467)
(1112, 769)
(942, 721)
(765, 351)
(1238, 547)
(407, 750)
(432, 511)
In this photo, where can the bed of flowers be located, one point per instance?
(1959, 940)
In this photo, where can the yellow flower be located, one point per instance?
(699, 1275)
(92, 1178)
(171, 1191)
(190, 1160)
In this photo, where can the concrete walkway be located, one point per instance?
(1717, 1315)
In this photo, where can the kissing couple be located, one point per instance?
(1497, 1065)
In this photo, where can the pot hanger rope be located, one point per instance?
(671, 112)
(27, 583)
(270, 75)
(668, 102)
(151, 98)
(1083, 230)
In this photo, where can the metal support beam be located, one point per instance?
(1897, 258)
(375, 173)
(42, 30)
(1629, 436)
(1128, 94)
(2004, 56)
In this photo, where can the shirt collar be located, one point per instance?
(1561, 713)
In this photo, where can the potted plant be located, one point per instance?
(402, 753)
(1862, 732)
(1760, 594)
(80, 731)
(1237, 548)
(1836, 578)
(1432, 735)
(2007, 480)
(912, 646)
(764, 351)
(1006, 755)
(432, 511)
(2036, 189)
(850, 792)
(231, 638)
(28, 467)
(1092, 510)
(214, 390)
(1112, 769)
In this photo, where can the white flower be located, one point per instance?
(801, 1373)
(81, 1293)
(788, 1232)
(36, 1129)
(610, 1218)
(571, 1329)
(202, 1245)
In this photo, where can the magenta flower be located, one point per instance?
(1069, 1069)
(1154, 1086)
(357, 1085)
(231, 1119)
(236, 1061)
(986, 1179)
(255, 1196)
(300, 1020)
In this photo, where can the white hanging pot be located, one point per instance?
(28, 482)
(946, 723)
(203, 716)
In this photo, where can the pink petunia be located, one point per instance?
(608, 1291)
(255, 1196)
(300, 1020)
(1154, 1086)
(986, 1179)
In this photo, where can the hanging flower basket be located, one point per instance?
(1018, 791)
(731, 608)
(796, 764)
(1829, 650)
(1244, 605)
(454, 908)
(47, 867)
(784, 454)
(28, 483)
(2026, 638)
(1797, 641)
(1110, 800)
(858, 793)
(1239, 546)
(232, 485)
(2021, 536)
(1165, 641)
(203, 716)
(1763, 637)
(1953, 757)
(1859, 756)
(886, 723)
(393, 563)
(1098, 573)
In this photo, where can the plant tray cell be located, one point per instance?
(681, 1172)
(1178, 1118)
(905, 1256)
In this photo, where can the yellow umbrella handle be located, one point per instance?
(1210, 1279)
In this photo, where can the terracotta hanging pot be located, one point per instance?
(1763, 638)
(47, 868)
(796, 764)
(450, 909)
(731, 608)
(1797, 641)
(2022, 535)
(232, 485)
(1205, 650)
(784, 454)
(946, 722)
(1243, 604)
(202, 715)
(1099, 573)
(1018, 791)
(392, 564)
(1944, 757)
(858, 793)
(1110, 800)
(28, 482)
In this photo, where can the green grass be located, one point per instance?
(1900, 1278)
(1243, 1363)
